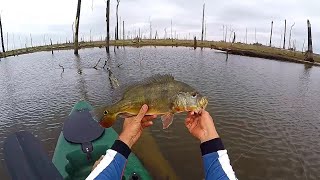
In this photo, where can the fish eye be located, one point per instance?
(105, 112)
(194, 94)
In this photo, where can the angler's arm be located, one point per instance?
(113, 163)
(216, 161)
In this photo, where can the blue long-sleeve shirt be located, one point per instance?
(215, 159)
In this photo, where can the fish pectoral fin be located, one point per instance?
(167, 120)
(126, 115)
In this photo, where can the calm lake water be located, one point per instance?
(266, 112)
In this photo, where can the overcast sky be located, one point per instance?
(53, 18)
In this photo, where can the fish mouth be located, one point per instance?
(104, 124)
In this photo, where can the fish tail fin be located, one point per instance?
(104, 116)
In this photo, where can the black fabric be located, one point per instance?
(26, 159)
(81, 128)
(121, 148)
(210, 146)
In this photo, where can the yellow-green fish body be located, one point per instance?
(163, 95)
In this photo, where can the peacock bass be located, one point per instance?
(162, 93)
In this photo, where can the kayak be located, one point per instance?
(82, 141)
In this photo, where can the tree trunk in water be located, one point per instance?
(271, 34)
(150, 30)
(171, 31)
(246, 36)
(234, 37)
(202, 22)
(255, 35)
(51, 46)
(222, 32)
(117, 28)
(108, 27)
(139, 38)
(123, 31)
(1, 32)
(31, 40)
(309, 53)
(290, 35)
(284, 36)
(76, 45)
(225, 34)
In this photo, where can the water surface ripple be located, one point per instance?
(266, 112)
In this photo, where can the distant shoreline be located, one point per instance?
(251, 50)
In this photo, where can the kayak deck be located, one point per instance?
(73, 163)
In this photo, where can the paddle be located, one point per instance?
(26, 159)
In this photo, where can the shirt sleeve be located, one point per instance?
(112, 166)
(216, 161)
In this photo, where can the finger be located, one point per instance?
(191, 114)
(201, 112)
(204, 113)
(147, 124)
(142, 112)
(148, 118)
(188, 121)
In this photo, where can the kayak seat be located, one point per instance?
(81, 128)
(27, 160)
(78, 166)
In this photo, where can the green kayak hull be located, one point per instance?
(72, 162)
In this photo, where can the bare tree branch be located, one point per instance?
(95, 67)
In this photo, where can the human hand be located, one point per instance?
(201, 126)
(133, 126)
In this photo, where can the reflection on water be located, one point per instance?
(267, 112)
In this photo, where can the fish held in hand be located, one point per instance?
(162, 93)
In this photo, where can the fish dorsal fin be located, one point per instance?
(158, 78)
(124, 88)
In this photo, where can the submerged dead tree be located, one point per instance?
(271, 34)
(51, 46)
(1, 33)
(222, 32)
(123, 33)
(290, 35)
(108, 26)
(309, 52)
(171, 31)
(284, 35)
(255, 35)
(246, 36)
(234, 37)
(117, 27)
(204, 5)
(76, 45)
(150, 28)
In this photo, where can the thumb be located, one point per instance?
(142, 113)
